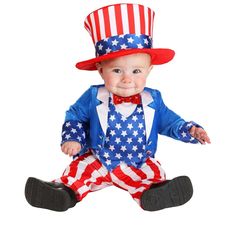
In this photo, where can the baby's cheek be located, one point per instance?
(140, 85)
(110, 82)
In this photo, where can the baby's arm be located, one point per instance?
(73, 137)
(172, 125)
(75, 128)
(191, 132)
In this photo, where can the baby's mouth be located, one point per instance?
(126, 87)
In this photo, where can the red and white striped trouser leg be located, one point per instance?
(85, 174)
(134, 180)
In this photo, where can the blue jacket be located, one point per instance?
(87, 118)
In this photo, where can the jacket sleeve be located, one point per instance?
(76, 125)
(171, 124)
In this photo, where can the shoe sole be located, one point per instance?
(170, 194)
(39, 194)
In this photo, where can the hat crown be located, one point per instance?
(120, 19)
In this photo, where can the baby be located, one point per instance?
(112, 130)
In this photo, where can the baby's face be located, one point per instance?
(126, 76)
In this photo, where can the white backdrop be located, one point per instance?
(40, 43)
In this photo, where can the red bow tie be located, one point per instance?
(135, 99)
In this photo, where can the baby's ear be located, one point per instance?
(99, 68)
(150, 68)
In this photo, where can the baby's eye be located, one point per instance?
(116, 71)
(136, 71)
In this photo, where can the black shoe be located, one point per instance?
(170, 193)
(49, 195)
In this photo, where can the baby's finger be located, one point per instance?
(207, 139)
(192, 131)
(197, 134)
(71, 152)
(202, 141)
(64, 149)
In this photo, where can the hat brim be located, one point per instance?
(158, 56)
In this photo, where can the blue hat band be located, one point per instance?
(122, 42)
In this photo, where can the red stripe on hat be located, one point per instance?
(107, 22)
(130, 11)
(142, 19)
(90, 26)
(153, 15)
(118, 20)
(97, 24)
(87, 27)
(149, 21)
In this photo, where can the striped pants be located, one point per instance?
(87, 174)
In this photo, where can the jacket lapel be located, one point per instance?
(149, 112)
(102, 109)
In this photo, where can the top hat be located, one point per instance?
(122, 29)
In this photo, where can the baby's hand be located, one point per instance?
(71, 148)
(199, 134)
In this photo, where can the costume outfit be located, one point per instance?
(119, 141)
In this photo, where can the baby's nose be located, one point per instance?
(126, 79)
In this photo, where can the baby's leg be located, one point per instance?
(85, 174)
(163, 194)
(135, 180)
